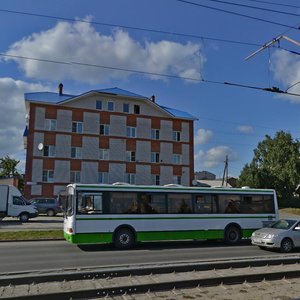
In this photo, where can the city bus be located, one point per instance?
(124, 214)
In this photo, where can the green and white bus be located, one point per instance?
(123, 214)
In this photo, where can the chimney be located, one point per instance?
(60, 89)
(152, 98)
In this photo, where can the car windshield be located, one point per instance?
(283, 224)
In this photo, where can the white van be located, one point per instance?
(13, 204)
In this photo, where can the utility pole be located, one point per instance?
(225, 173)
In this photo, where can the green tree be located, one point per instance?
(276, 164)
(8, 167)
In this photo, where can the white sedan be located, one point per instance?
(283, 235)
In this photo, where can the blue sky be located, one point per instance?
(232, 120)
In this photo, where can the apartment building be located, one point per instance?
(104, 136)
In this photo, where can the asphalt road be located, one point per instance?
(42, 222)
(32, 256)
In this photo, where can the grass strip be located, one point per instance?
(290, 210)
(31, 235)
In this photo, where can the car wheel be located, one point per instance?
(24, 217)
(124, 238)
(232, 235)
(50, 213)
(287, 245)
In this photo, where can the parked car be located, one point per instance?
(283, 235)
(49, 206)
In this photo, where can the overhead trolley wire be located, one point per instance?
(272, 89)
(256, 7)
(238, 14)
(273, 3)
(131, 27)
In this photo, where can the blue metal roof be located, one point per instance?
(121, 92)
(47, 97)
(178, 113)
(55, 98)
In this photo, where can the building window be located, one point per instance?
(104, 154)
(110, 106)
(177, 179)
(49, 151)
(104, 129)
(155, 134)
(98, 104)
(155, 179)
(176, 159)
(102, 177)
(131, 132)
(136, 109)
(75, 176)
(76, 152)
(154, 157)
(130, 155)
(130, 178)
(48, 175)
(176, 136)
(50, 124)
(126, 108)
(77, 127)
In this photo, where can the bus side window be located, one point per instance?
(203, 204)
(179, 203)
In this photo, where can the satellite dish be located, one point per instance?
(40, 146)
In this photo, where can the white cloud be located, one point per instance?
(202, 136)
(214, 157)
(80, 42)
(12, 116)
(286, 69)
(245, 128)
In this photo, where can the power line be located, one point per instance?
(131, 27)
(272, 89)
(256, 7)
(273, 3)
(238, 14)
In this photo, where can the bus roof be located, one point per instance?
(170, 187)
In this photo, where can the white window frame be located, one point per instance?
(155, 157)
(155, 179)
(105, 129)
(137, 109)
(77, 152)
(104, 154)
(50, 149)
(130, 178)
(125, 110)
(176, 136)
(177, 179)
(50, 124)
(78, 127)
(155, 134)
(131, 156)
(177, 159)
(103, 177)
(113, 106)
(99, 103)
(131, 131)
(75, 176)
(49, 176)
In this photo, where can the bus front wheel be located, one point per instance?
(124, 238)
(232, 235)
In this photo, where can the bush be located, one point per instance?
(292, 202)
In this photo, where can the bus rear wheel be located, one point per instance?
(232, 235)
(124, 238)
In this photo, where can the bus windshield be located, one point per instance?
(69, 211)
